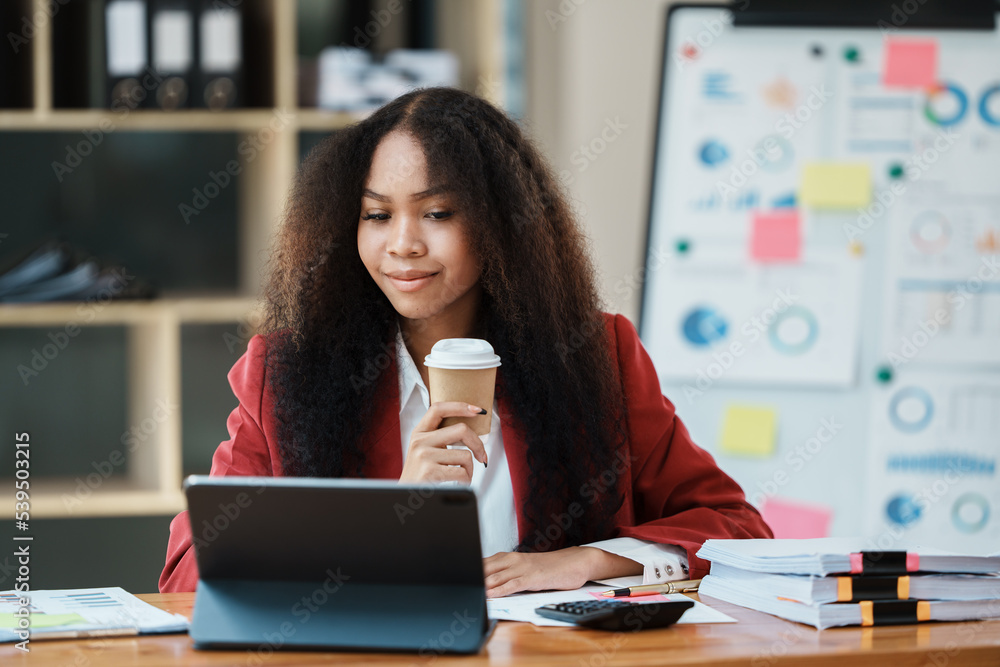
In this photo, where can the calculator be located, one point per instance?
(616, 615)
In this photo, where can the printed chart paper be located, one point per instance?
(943, 282)
(721, 319)
(933, 456)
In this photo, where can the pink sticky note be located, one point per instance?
(775, 236)
(794, 519)
(910, 62)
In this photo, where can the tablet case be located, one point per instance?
(326, 564)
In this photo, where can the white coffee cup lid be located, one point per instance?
(462, 353)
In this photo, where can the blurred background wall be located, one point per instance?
(594, 73)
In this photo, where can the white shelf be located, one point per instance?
(183, 120)
(69, 498)
(184, 310)
(138, 119)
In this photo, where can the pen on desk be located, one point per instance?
(654, 589)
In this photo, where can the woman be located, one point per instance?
(436, 218)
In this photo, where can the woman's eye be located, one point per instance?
(436, 215)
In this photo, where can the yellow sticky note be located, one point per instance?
(41, 620)
(836, 185)
(748, 431)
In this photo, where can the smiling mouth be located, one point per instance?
(411, 284)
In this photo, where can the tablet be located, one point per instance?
(340, 564)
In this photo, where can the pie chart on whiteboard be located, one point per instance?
(794, 332)
(911, 409)
(930, 232)
(703, 326)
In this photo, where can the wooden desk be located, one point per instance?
(758, 640)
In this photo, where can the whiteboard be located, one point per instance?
(824, 247)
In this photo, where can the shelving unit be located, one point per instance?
(153, 483)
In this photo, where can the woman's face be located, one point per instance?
(411, 237)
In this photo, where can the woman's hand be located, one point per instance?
(565, 569)
(428, 458)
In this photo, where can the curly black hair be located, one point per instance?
(329, 324)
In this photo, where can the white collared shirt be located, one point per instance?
(495, 491)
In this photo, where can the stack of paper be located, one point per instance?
(794, 579)
(82, 612)
(821, 590)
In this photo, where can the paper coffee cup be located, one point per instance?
(464, 369)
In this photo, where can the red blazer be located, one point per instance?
(674, 492)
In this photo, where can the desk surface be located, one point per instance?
(758, 640)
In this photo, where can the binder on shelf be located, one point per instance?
(172, 37)
(78, 56)
(219, 80)
(15, 57)
(127, 74)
